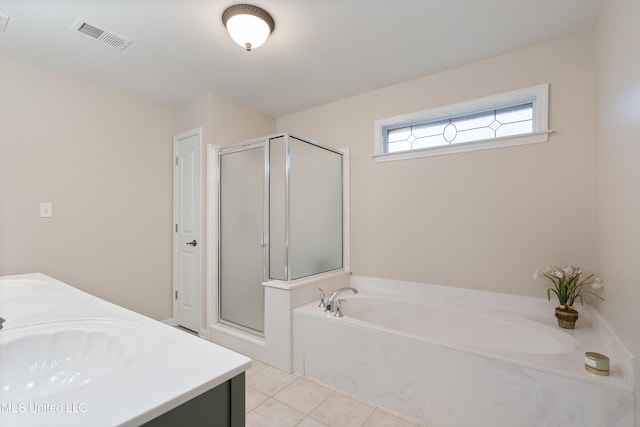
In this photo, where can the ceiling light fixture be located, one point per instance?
(248, 25)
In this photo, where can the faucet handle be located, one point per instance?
(322, 303)
(338, 307)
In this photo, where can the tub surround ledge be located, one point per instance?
(281, 298)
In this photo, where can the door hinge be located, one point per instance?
(176, 228)
(176, 295)
(176, 160)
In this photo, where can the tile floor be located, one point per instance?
(276, 398)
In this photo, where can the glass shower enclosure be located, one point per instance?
(281, 218)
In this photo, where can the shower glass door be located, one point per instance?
(242, 201)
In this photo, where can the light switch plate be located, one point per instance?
(46, 209)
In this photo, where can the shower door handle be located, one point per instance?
(194, 243)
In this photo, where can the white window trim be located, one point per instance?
(538, 94)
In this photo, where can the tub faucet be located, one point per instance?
(1, 322)
(322, 304)
(331, 305)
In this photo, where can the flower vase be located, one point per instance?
(566, 317)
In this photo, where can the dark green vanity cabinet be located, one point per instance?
(222, 406)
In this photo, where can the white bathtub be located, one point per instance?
(457, 325)
(486, 360)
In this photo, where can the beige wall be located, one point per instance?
(617, 164)
(234, 122)
(104, 159)
(193, 114)
(223, 121)
(484, 219)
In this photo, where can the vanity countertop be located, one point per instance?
(162, 367)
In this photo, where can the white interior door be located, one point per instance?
(187, 242)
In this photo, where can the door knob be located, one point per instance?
(194, 243)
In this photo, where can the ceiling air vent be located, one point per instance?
(105, 36)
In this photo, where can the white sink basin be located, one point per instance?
(44, 359)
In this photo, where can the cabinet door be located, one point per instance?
(220, 407)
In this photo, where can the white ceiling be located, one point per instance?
(320, 51)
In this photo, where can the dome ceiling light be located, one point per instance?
(248, 25)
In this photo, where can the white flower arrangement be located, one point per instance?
(568, 284)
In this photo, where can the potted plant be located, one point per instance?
(569, 286)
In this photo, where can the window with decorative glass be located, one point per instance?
(512, 118)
